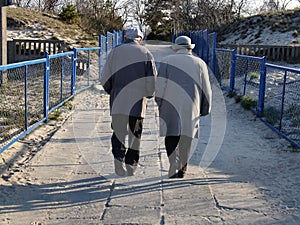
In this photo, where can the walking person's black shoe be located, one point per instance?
(182, 171)
(181, 174)
(119, 168)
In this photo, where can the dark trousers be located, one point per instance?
(120, 125)
(183, 143)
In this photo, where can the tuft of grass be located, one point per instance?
(295, 33)
(231, 94)
(54, 115)
(254, 75)
(248, 102)
(69, 105)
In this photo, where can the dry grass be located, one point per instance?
(283, 21)
(21, 18)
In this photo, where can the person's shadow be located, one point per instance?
(22, 198)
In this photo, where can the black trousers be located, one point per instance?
(120, 125)
(183, 143)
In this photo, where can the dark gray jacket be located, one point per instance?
(129, 77)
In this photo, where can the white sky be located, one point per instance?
(291, 5)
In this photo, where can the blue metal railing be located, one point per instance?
(31, 90)
(274, 88)
(267, 83)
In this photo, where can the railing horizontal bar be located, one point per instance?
(280, 133)
(249, 57)
(224, 50)
(85, 49)
(31, 128)
(289, 69)
(61, 55)
(25, 63)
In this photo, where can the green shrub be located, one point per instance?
(69, 14)
(54, 115)
(254, 75)
(248, 102)
(231, 94)
(295, 33)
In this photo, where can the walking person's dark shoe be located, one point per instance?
(181, 174)
(182, 171)
(119, 168)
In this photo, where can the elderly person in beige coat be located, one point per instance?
(183, 94)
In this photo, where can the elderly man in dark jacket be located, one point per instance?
(183, 94)
(129, 78)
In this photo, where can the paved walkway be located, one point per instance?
(232, 178)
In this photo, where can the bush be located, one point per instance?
(248, 102)
(254, 75)
(295, 33)
(231, 94)
(69, 14)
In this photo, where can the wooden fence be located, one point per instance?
(19, 50)
(286, 53)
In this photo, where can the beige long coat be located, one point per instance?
(183, 93)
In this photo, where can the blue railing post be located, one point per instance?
(232, 71)
(106, 50)
(245, 76)
(46, 86)
(262, 88)
(99, 57)
(62, 78)
(117, 38)
(206, 56)
(214, 56)
(74, 62)
(26, 96)
(282, 100)
(89, 67)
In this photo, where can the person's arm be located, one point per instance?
(161, 82)
(206, 96)
(106, 76)
(150, 76)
